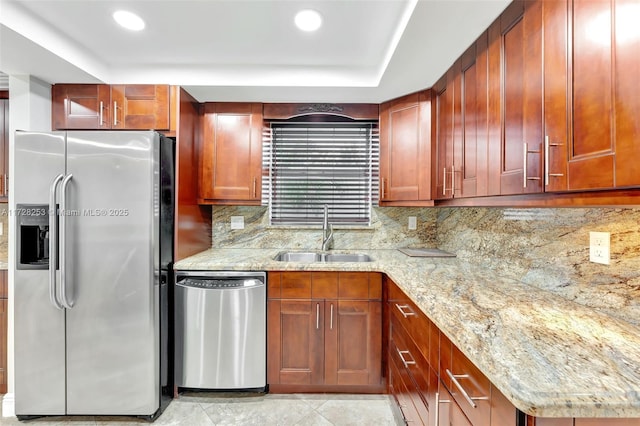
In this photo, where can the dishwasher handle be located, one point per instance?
(209, 283)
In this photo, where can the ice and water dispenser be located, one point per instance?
(32, 236)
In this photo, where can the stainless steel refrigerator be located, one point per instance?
(93, 214)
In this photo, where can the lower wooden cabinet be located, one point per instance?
(324, 332)
(431, 379)
(3, 330)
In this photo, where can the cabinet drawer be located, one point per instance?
(405, 353)
(469, 387)
(409, 398)
(423, 332)
(399, 390)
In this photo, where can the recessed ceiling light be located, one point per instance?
(129, 20)
(308, 20)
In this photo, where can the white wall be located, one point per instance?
(29, 109)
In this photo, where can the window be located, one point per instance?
(310, 165)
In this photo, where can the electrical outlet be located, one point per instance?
(599, 247)
(237, 222)
(413, 223)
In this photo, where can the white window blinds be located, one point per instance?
(308, 165)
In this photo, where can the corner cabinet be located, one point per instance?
(118, 107)
(324, 332)
(431, 380)
(405, 151)
(231, 154)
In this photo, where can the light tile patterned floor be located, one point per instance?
(209, 409)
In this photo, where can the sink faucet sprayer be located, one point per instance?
(326, 228)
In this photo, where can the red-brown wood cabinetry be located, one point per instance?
(324, 331)
(4, 146)
(516, 165)
(102, 107)
(405, 150)
(231, 156)
(4, 294)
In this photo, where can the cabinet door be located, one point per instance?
(472, 111)
(353, 342)
(3, 345)
(405, 151)
(592, 153)
(627, 92)
(522, 140)
(232, 153)
(557, 102)
(81, 106)
(444, 104)
(295, 340)
(4, 150)
(140, 106)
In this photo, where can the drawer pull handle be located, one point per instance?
(438, 402)
(405, 310)
(404, 361)
(454, 378)
(317, 316)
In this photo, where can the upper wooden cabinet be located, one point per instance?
(460, 130)
(606, 70)
(231, 156)
(4, 146)
(515, 43)
(100, 106)
(405, 150)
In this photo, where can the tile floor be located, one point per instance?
(208, 409)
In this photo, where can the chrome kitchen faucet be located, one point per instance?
(326, 227)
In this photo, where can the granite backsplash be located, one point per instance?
(549, 249)
(546, 248)
(388, 230)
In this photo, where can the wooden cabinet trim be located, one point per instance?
(285, 111)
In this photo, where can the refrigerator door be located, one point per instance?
(39, 325)
(112, 274)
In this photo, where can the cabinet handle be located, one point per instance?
(317, 316)
(524, 170)
(382, 192)
(254, 187)
(101, 113)
(404, 361)
(115, 113)
(6, 184)
(404, 313)
(444, 181)
(524, 167)
(331, 318)
(547, 160)
(438, 402)
(454, 378)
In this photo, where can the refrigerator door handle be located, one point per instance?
(53, 238)
(63, 243)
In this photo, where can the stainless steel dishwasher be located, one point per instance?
(220, 331)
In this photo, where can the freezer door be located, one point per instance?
(39, 326)
(111, 242)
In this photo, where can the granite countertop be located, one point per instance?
(549, 356)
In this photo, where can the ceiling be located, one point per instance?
(245, 50)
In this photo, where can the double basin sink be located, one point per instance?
(313, 257)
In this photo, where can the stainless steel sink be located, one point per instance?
(299, 257)
(312, 257)
(347, 257)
